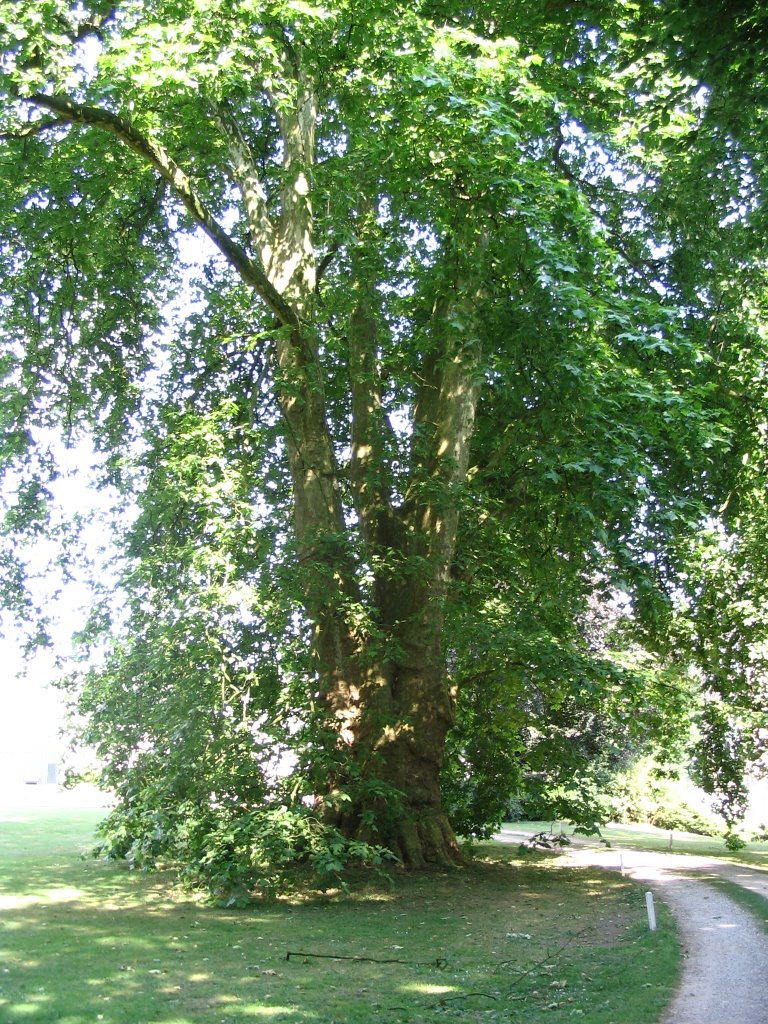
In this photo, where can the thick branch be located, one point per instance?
(293, 262)
(444, 419)
(156, 155)
(459, 389)
(368, 467)
(244, 169)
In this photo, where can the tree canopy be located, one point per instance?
(425, 349)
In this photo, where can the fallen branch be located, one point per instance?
(540, 963)
(440, 963)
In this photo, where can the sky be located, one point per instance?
(31, 710)
(32, 713)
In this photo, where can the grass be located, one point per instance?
(646, 837)
(509, 938)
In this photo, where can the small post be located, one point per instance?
(670, 840)
(651, 911)
(621, 864)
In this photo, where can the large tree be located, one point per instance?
(407, 332)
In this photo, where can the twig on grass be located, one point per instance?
(540, 963)
(465, 995)
(444, 1000)
(440, 963)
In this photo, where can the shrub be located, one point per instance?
(674, 815)
(234, 852)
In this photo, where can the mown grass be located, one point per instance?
(646, 837)
(508, 938)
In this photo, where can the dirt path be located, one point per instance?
(725, 974)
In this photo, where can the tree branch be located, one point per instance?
(34, 128)
(369, 469)
(291, 266)
(444, 415)
(246, 175)
(326, 261)
(156, 155)
(94, 25)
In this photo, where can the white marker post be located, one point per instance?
(651, 911)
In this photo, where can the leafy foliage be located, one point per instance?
(231, 852)
(648, 793)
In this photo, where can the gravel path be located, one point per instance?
(725, 976)
(725, 973)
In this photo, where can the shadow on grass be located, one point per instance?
(73, 963)
(69, 961)
(87, 959)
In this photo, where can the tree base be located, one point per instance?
(428, 842)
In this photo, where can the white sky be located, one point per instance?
(31, 710)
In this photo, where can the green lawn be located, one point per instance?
(509, 938)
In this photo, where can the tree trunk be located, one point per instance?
(394, 715)
(396, 729)
(411, 758)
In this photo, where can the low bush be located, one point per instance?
(679, 816)
(233, 852)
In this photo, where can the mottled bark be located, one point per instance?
(400, 718)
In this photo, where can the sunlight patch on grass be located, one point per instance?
(259, 1010)
(45, 896)
(425, 989)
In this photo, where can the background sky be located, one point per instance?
(31, 710)
(32, 713)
